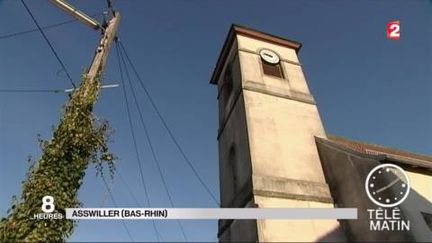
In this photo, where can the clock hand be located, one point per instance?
(389, 185)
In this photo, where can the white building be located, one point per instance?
(274, 152)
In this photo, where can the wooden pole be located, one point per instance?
(101, 54)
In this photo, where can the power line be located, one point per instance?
(104, 199)
(115, 204)
(50, 90)
(131, 127)
(31, 91)
(147, 135)
(153, 104)
(49, 43)
(128, 188)
(130, 191)
(43, 27)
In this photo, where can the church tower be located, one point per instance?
(268, 121)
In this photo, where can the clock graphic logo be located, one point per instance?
(387, 185)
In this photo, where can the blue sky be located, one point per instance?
(367, 87)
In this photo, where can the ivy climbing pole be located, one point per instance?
(80, 139)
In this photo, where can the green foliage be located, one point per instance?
(80, 139)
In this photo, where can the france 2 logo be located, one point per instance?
(393, 30)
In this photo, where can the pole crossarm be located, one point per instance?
(81, 16)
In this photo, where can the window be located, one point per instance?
(232, 160)
(428, 218)
(272, 69)
(227, 82)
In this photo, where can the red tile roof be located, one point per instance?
(374, 149)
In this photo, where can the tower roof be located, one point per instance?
(246, 31)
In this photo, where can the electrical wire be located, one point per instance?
(131, 127)
(152, 150)
(115, 204)
(134, 198)
(153, 104)
(43, 28)
(31, 91)
(49, 43)
(128, 188)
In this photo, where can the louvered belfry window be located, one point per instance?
(228, 82)
(272, 69)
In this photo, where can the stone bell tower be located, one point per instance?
(267, 153)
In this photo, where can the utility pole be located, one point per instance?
(78, 140)
(106, 40)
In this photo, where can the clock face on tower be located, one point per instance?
(387, 185)
(269, 56)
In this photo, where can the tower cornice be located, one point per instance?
(249, 32)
